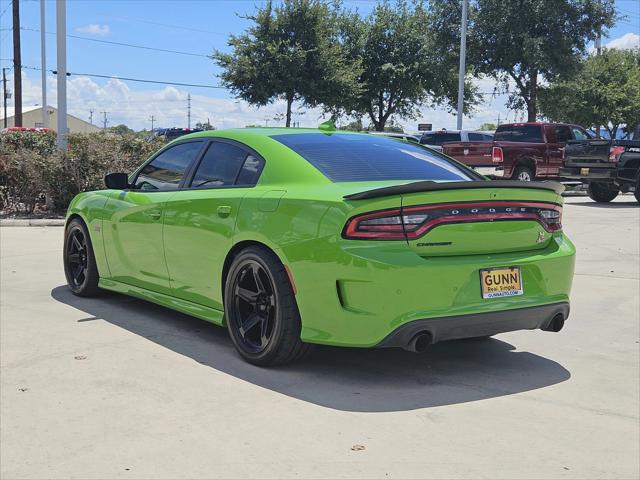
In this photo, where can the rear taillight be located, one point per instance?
(410, 223)
(552, 219)
(496, 155)
(614, 153)
(382, 225)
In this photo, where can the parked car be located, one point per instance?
(608, 167)
(525, 151)
(291, 237)
(170, 134)
(436, 138)
(25, 129)
(407, 137)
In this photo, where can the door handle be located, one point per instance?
(224, 211)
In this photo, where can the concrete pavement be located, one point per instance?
(118, 388)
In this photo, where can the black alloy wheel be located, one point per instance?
(255, 306)
(79, 262)
(261, 312)
(77, 258)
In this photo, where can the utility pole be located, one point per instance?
(5, 95)
(61, 37)
(91, 116)
(17, 66)
(463, 53)
(104, 119)
(153, 119)
(43, 64)
(189, 110)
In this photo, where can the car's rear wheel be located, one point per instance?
(524, 174)
(260, 309)
(80, 267)
(602, 192)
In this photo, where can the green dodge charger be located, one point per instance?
(294, 237)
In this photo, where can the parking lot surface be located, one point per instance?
(118, 388)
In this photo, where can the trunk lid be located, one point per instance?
(493, 217)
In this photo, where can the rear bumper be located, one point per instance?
(371, 292)
(587, 174)
(477, 325)
(490, 171)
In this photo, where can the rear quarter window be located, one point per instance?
(353, 158)
(519, 133)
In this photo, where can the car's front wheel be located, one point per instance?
(602, 192)
(80, 267)
(261, 311)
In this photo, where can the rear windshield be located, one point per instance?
(439, 138)
(519, 133)
(354, 158)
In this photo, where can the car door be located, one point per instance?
(134, 220)
(199, 220)
(561, 134)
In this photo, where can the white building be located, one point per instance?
(32, 117)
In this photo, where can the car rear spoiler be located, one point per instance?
(429, 186)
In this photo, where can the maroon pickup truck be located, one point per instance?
(520, 151)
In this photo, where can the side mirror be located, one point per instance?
(117, 181)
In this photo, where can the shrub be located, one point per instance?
(35, 176)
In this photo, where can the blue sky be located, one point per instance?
(194, 27)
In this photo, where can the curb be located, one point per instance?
(32, 222)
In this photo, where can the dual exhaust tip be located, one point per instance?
(422, 340)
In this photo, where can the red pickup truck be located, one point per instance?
(520, 151)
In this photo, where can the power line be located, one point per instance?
(141, 80)
(7, 8)
(191, 29)
(121, 44)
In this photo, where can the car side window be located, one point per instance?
(166, 170)
(579, 134)
(563, 134)
(224, 164)
(476, 137)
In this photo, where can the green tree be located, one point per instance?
(523, 42)
(291, 52)
(604, 91)
(121, 129)
(487, 127)
(354, 126)
(402, 69)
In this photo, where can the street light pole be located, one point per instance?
(61, 34)
(43, 51)
(461, 71)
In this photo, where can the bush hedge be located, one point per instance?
(36, 178)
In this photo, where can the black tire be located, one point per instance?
(261, 311)
(522, 173)
(602, 192)
(80, 267)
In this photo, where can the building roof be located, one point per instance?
(31, 108)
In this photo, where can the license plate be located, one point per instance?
(501, 282)
(584, 171)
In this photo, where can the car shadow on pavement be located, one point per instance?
(349, 379)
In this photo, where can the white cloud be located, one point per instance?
(124, 103)
(628, 41)
(94, 29)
